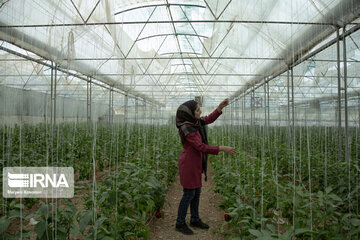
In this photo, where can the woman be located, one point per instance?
(193, 159)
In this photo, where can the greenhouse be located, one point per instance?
(100, 87)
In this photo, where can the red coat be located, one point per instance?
(190, 160)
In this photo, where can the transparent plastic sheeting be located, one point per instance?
(165, 51)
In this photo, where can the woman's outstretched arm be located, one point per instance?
(223, 104)
(229, 150)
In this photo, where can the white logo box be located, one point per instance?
(38, 182)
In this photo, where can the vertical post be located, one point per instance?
(288, 107)
(110, 106)
(293, 143)
(88, 100)
(125, 110)
(252, 106)
(345, 101)
(268, 105)
(54, 96)
(152, 112)
(265, 109)
(264, 140)
(339, 95)
(51, 100)
(136, 110)
(243, 111)
(52, 110)
(292, 104)
(347, 155)
(145, 113)
(63, 109)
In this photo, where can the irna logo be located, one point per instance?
(33, 182)
(36, 180)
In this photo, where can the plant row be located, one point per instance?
(288, 183)
(121, 175)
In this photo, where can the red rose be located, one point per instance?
(292, 170)
(158, 214)
(297, 182)
(303, 189)
(227, 217)
(266, 214)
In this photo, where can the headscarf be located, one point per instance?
(187, 123)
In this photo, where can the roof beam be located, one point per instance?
(171, 21)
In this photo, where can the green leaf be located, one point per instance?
(107, 238)
(105, 230)
(129, 219)
(85, 220)
(4, 224)
(144, 233)
(255, 232)
(271, 228)
(355, 222)
(61, 229)
(301, 230)
(44, 210)
(19, 206)
(328, 190)
(100, 221)
(335, 197)
(74, 231)
(40, 228)
(265, 238)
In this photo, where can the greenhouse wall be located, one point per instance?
(31, 107)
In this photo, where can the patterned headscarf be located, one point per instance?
(187, 123)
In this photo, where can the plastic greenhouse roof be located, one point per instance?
(170, 50)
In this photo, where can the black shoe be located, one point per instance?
(199, 224)
(183, 228)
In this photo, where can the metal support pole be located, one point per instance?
(126, 110)
(347, 155)
(265, 111)
(243, 119)
(136, 111)
(54, 96)
(63, 109)
(231, 115)
(293, 142)
(152, 112)
(52, 109)
(145, 113)
(51, 98)
(288, 107)
(243, 112)
(292, 104)
(346, 102)
(88, 100)
(110, 106)
(237, 114)
(252, 107)
(268, 105)
(51, 114)
(339, 96)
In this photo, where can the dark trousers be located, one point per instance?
(190, 197)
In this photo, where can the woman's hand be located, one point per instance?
(229, 150)
(223, 104)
